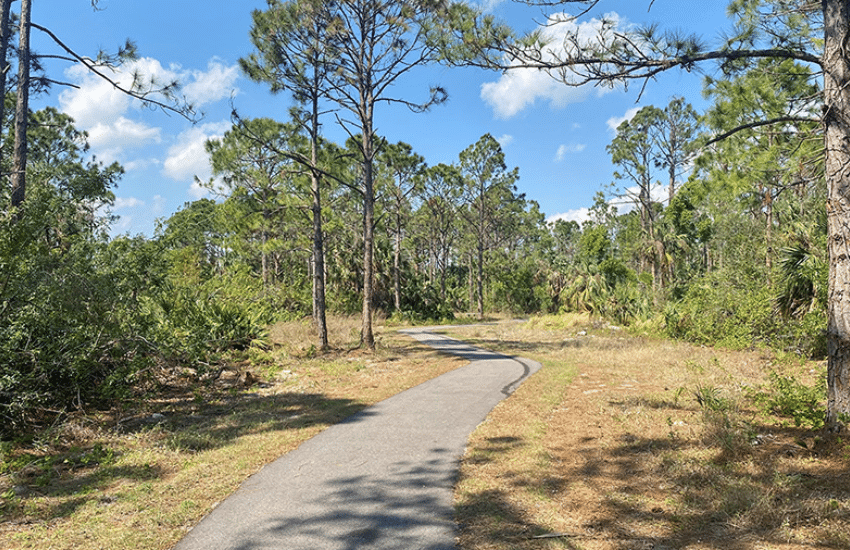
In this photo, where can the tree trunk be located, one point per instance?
(836, 65)
(768, 234)
(319, 303)
(671, 169)
(470, 281)
(5, 34)
(479, 277)
(367, 338)
(264, 256)
(397, 264)
(19, 163)
(319, 276)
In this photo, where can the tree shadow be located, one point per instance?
(668, 492)
(65, 479)
(513, 347)
(487, 518)
(188, 425)
(408, 506)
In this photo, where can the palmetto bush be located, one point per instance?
(609, 290)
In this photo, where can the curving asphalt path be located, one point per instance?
(381, 479)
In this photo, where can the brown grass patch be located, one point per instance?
(607, 447)
(140, 476)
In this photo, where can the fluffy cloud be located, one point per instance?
(564, 150)
(128, 202)
(96, 101)
(217, 82)
(614, 122)
(505, 139)
(579, 215)
(188, 158)
(489, 5)
(517, 89)
(106, 113)
(198, 191)
(111, 140)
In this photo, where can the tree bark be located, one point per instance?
(319, 301)
(397, 266)
(319, 276)
(479, 276)
(19, 163)
(367, 338)
(836, 65)
(5, 34)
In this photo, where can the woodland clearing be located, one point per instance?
(620, 441)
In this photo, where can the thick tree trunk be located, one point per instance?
(19, 163)
(836, 64)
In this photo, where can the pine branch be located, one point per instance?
(187, 111)
(758, 124)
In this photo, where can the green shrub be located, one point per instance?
(785, 396)
(716, 310)
(69, 326)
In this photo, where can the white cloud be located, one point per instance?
(579, 215)
(517, 89)
(96, 101)
(111, 140)
(139, 164)
(505, 140)
(614, 122)
(188, 158)
(489, 5)
(198, 191)
(217, 82)
(105, 112)
(128, 202)
(564, 150)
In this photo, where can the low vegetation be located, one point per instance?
(140, 474)
(620, 441)
(635, 442)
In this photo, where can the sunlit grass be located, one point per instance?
(645, 443)
(140, 478)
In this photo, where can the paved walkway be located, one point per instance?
(382, 479)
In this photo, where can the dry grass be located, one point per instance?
(607, 447)
(140, 477)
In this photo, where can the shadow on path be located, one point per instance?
(381, 479)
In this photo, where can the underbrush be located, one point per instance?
(140, 474)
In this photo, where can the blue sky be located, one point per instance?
(555, 134)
